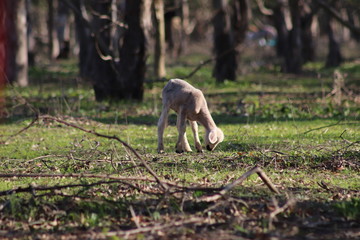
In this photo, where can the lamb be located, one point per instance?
(189, 103)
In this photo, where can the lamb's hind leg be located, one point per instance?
(163, 120)
(182, 144)
(195, 130)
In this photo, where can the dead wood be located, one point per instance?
(155, 228)
(33, 189)
(238, 181)
(289, 203)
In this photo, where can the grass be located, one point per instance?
(290, 126)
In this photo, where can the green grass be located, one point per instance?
(287, 125)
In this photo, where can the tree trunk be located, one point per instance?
(159, 61)
(294, 59)
(52, 43)
(282, 44)
(17, 55)
(224, 45)
(133, 52)
(352, 17)
(229, 32)
(334, 57)
(112, 79)
(308, 46)
(185, 26)
(102, 71)
(83, 37)
(63, 31)
(3, 54)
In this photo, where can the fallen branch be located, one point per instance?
(330, 125)
(33, 189)
(238, 181)
(290, 202)
(155, 228)
(46, 117)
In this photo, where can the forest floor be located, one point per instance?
(288, 167)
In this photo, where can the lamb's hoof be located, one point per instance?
(200, 151)
(161, 151)
(179, 151)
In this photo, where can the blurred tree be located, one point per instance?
(3, 56)
(159, 58)
(63, 30)
(334, 57)
(294, 57)
(230, 26)
(113, 78)
(53, 44)
(83, 36)
(17, 52)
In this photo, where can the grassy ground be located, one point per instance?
(301, 131)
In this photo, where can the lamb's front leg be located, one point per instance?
(182, 144)
(161, 127)
(195, 130)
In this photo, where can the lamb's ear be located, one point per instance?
(212, 137)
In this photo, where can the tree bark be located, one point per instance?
(52, 43)
(159, 61)
(334, 57)
(102, 72)
(83, 37)
(229, 32)
(308, 45)
(3, 55)
(224, 45)
(17, 54)
(294, 58)
(63, 31)
(282, 44)
(133, 52)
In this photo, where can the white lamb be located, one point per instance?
(189, 103)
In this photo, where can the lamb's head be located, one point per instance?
(213, 138)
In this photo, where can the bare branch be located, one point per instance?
(289, 203)
(113, 138)
(263, 9)
(33, 189)
(173, 224)
(334, 13)
(238, 181)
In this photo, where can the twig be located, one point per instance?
(238, 181)
(341, 136)
(290, 202)
(45, 117)
(134, 217)
(178, 223)
(330, 125)
(33, 189)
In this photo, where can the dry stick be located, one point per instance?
(290, 202)
(238, 181)
(156, 228)
(113, 138)
(22, 130)
(58, 187)
(46, 117)
(330, 125)
(107, 176)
